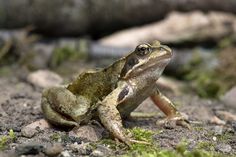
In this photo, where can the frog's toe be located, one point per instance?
(139, 142)
(130, 141)
(174, 121)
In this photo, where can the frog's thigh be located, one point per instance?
(58, 105)
(164, 104)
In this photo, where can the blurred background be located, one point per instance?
(41, 38)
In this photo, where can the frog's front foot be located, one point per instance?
(171, 122)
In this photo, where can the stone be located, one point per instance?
(224, 148)
(82, 149)
(28, 132)
(101, 151)
(234, 126)
(218, 130)
(54, 150)
(65, 154)
(39, 124)
(44, 79)
(229, 99)
(33, 128)
(29, 149)
(89, 132)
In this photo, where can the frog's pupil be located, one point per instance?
(142, 50)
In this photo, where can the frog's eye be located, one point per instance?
(143, 49)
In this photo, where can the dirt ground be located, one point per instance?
(20, 106)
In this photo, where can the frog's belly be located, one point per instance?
(130, 104)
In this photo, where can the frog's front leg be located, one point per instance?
(111, 118)
(169, 109)
(61, 107)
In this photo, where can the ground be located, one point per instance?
(20, 106)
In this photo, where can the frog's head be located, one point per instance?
(147, 59)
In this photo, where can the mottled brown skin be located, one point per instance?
(112, 93)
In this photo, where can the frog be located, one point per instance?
(112, 93)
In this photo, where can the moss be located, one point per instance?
(211, 81)
(224, 137)
(202, 149)
(206, 145)
(142, 134)
(114, 145)
(180, 151)
(198, 128)
(63, 54)
(5, 71)
(60, 55)
(55, 137)
(5, 140)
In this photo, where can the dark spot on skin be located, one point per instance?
(123, 93)
(129, 65)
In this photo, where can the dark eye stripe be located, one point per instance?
(129, 65)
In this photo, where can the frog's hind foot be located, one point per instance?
(174, 121)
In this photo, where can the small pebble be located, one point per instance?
(229, 98)
(82, 149)
(101, 151)
(224, 148)
(97, 153)
(44, 79)
(218, 130)
(65, 154)
(214, 138)
(90, 132)
(234, 126)
(28, 132)
(54, 150)
(41, 124)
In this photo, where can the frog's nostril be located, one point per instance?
(167, 50)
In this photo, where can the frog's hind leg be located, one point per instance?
(58, 105)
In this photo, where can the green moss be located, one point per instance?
(180, 151)
(206, 145)
(202, 149)
(206, 84)
(63, 54)
(55, 137)
(226, 42)
(114, 145)
(142, 134)
(5, 140)
(198, 128)
(225, 137)
(212, 80)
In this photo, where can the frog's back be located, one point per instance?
(97, 84)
